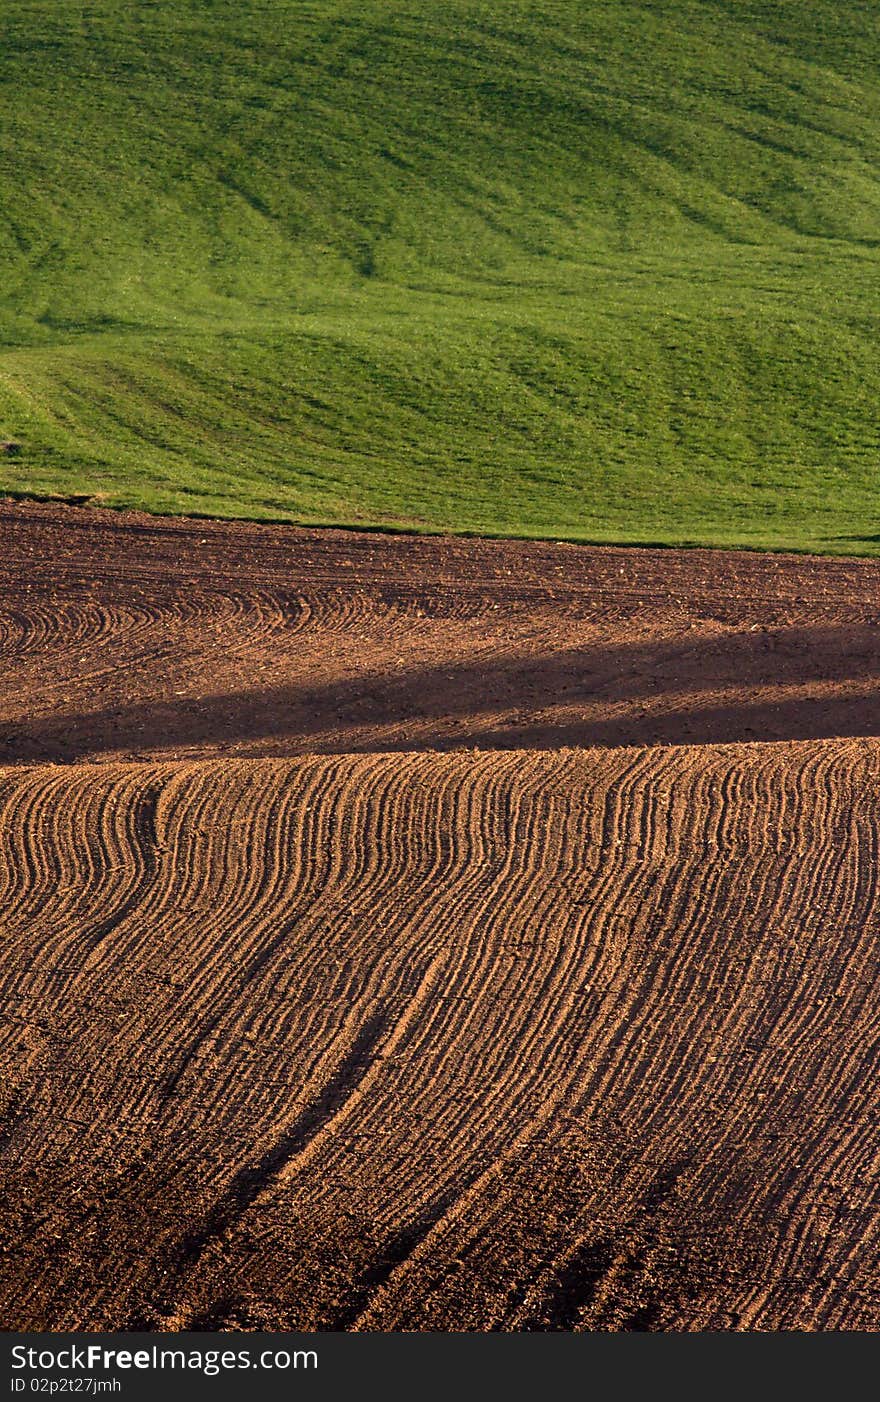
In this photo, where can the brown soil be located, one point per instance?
(124, 637)
(581, 1039)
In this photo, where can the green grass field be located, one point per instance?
(603, 271)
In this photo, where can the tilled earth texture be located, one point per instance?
(425, 934)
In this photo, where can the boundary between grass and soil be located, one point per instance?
(82, 500)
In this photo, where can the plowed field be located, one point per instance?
(298, 1032)
(125, 637)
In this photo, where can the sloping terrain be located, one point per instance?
(584, 1040)
(503, 1039)
(125, 637)
(573, 268)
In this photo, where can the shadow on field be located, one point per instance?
(781, 684)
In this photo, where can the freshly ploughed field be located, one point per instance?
(434, 934)
(129, 637)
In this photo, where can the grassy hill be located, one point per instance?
(604, 270)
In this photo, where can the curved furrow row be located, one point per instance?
(89, 630)
(704, 906)
(531, 1040)
(453, 892)
(674, 1090)
(738, 1076)
(124, 639)
(384, 988)
(844, 975)
(211, 911)
(662, 980)
(54, 627)
(514, 1045)
(65, 857)
(474, 1115)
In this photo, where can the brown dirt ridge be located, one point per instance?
(357, 975)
